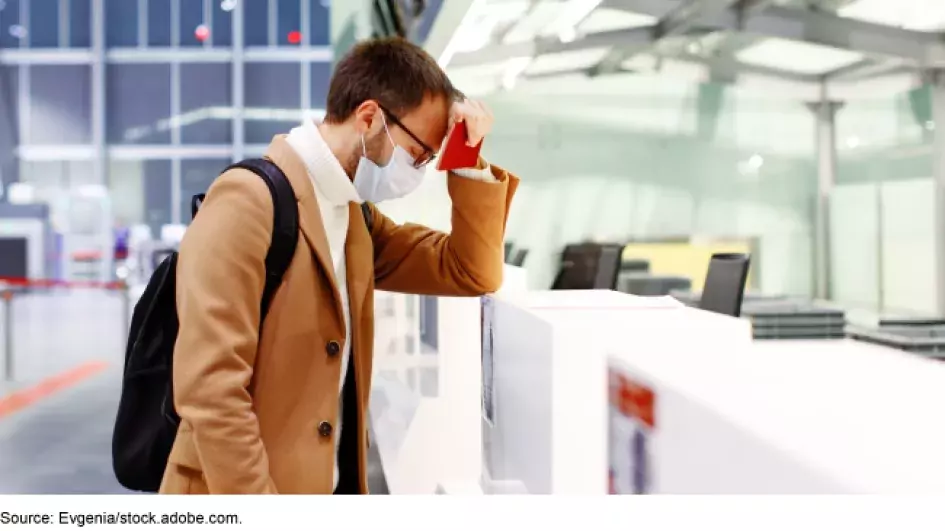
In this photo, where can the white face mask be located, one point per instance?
(375, 183)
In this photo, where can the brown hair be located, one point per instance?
(393, 71)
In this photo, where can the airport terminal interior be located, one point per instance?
(726, 254)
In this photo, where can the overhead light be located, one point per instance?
(756, 161)
(853, 142)
(694, 47)
(17, 31)
(202, 32)
(228, 5)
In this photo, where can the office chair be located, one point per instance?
(508, 251)
(588, 266)
(725, 283)
(518, 258)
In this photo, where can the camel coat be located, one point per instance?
(258, 407)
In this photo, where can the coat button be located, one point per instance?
(333, 348)
(324, 428)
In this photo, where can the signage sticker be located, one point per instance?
(632, 424)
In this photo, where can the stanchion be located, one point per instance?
(7, 297)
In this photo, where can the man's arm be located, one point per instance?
(220, 279)
(412, 258)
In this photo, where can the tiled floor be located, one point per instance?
(61, 444)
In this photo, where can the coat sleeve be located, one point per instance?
(412, 258)
(220, 279)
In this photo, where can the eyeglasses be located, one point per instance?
(428, 153)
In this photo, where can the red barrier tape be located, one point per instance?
(52, 283)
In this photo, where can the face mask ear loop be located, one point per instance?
(363, 147)
(386, 130)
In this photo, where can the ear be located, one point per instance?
(367, 117)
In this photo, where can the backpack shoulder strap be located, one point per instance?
(368, 216)
(285, 227)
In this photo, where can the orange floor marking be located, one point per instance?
(24, 398)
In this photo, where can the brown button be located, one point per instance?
(324, 428)
(333, 348)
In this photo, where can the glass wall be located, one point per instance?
(141, 96)
(643, 158)
(882, 209)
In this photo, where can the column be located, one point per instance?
(937, 87)
(825, 112)
(98, 91)
(237, 86)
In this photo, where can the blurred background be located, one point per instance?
(803, 132)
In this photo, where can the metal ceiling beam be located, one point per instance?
(920, 48)
(550, 45)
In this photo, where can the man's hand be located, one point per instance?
(478, 119)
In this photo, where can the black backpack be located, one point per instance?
(146, 423)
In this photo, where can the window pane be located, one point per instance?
(9, 16)
(60, 104)
(44, 23)
(196, 177)
(222, 26)
(191, 16)
(80, 23)
(121, 22)
(141, 192)
(319, 24)
(256, 22)
(205, 104)
(52, 177)
(272, 93)
(159, 22)
(139, 103)
(321, 74)
(289, 15)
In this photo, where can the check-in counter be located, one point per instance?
(425, 407)
(544, 386)
(792, 417)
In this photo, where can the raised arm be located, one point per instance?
(415, 259)
(220, 278)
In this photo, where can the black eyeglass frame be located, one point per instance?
(428, 154)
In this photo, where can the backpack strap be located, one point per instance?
(285, 226)
(368, 216)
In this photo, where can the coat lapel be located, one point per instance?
(359, 264)
(310, 218)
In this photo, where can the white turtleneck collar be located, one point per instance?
(329, 178)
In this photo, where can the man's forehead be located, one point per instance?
(429, 121)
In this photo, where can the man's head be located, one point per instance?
(388, 82)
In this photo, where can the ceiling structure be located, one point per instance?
(809, 41)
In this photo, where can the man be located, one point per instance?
(283, 410)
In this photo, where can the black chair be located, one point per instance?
(518, 257)
(588, 266)
(508, 251)
(725, 283)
